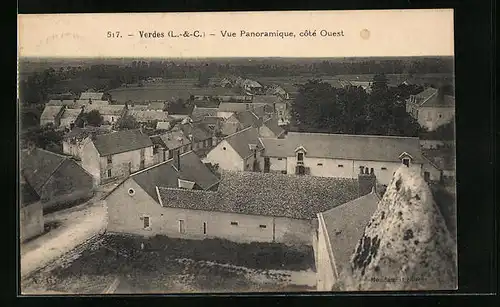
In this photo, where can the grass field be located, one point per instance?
(176, 266)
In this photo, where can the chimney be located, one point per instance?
(367, 181)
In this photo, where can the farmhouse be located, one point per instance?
(56, 179)
(69, 118)
(431, 108)
(252, 87)
(30, 211)
(110, 113)
(91, 96)
(167, 145)
(74, 140)
(245, 207)
(339, 230)
(340, 155)
(240, 151)
(144, 116)
(117, 154)
(133, 203)
(51, 115)
(200, 136)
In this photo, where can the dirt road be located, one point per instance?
(75, 226)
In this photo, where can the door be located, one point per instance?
(427, 176)
(181, 226)
(267, 165)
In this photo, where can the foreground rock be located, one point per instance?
(406, 245)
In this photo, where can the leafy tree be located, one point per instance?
(127, 122)
(93, 118)
(46, 137)
(203, 79)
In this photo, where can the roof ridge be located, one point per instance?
(231, 135)
(192, 191)
(356, 135)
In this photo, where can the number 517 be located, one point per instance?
(115, 34)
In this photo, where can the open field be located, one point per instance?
(166, 90)
(173, 265)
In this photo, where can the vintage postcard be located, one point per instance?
(237, 152)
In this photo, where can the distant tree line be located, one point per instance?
(36, 87)
(319, 107)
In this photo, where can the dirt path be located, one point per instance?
(77, 224)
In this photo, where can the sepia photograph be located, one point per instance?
(269, 171)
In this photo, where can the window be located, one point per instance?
(170, 154)
(440, 115)
(181, 226)
(131, 192)
(109, 173)
(146, 221)
(300, 156)
(112, 119)
(283, 172)
(320, 164)
(143, 164)
(204, 228)
(224, 148)
(262, 226)
(110, 160)
(234, 223)
(383, 168)
(406, 162)
(280, 159)
(340, 165)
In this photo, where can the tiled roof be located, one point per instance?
(345, 146)
(144, 116)
(427, 93)
(50, 112)
(174, 138)
(27, 194)
(121, 141)
(91, 95)
(198, 132)
(272, 124)
(38, 165)
(241, 139)
(163, 125)
(198, 113)
(106, 109)
(166, 174)
(71, 103)
(266, 194)
(439, 101)
(345, 225)
(71, 114)
(247, 118)
(63, 175)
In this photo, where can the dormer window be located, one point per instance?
(405, 158)
(300, 157)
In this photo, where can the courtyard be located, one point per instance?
(128, 264)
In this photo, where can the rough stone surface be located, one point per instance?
(406, 245)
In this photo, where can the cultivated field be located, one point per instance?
(176, 266)
(166, 90)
